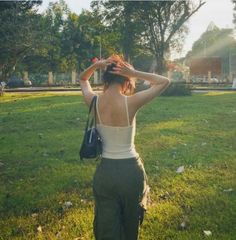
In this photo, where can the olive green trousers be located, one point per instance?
(120, 191)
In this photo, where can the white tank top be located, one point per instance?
(117, 142)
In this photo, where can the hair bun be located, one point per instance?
(109, 78)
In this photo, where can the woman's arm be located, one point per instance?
(84, 77)
(86, 88)
(158, 85)
(153, 79)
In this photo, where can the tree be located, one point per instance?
(55, 18)
(89, 38)
(80, 39)
(71, 40)
(157, 26)
(82, 36)
(56, 53)
(19, 33)
(120, 21)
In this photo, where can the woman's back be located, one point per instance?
(114, 110)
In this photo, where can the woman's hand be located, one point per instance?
(103, 63)
(124, 69)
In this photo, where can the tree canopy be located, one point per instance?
(154, 27)
(59, 40)
(19, 33)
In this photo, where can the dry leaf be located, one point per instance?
(39, 228)
(207, 232)
(34, 215)
(68, 204)
(183, 225)
(228, 190)
(180, 169)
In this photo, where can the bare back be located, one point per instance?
(112, 110)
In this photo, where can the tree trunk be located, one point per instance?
(160, 63)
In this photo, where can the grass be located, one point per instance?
(40, 168)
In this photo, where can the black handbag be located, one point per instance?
(91, 146)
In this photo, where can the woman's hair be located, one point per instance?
(110, 78)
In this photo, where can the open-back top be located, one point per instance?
(118, 141)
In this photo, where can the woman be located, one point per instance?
(120, 182)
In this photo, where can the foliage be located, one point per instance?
(56, 40)
(61, 41)
(38, 79)
(177, 89)
(19, 33)
(89, 40)
(120, 19)
(155, 26)
(42, 171)
(72, 40)
(15, 81)
(144, 62)
(48, 56)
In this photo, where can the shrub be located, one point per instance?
(177, 89)
(15, 82)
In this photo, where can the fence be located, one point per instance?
(69, 79)
(55, 79)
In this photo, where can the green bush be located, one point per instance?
(177, 89)
(15, 82)
(38, 79)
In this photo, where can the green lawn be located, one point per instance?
(40, 169)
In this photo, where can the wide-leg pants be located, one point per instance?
(120, 191)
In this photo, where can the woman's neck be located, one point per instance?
(114, 90)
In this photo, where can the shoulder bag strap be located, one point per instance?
(93, 102)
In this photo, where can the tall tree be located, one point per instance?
(19, 33)
(80, 39)
(156, 25)
(54, 54)
(55, 16)
(121, 22)
(83, 37)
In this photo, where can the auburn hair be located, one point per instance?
(110, 78)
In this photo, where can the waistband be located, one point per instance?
(121, 160)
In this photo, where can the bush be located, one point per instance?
(38, 79)
(177, 89)
(15, 82)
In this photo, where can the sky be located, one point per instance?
(218, 11)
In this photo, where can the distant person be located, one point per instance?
(120, 183)
(2, 86)
(28, 83)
